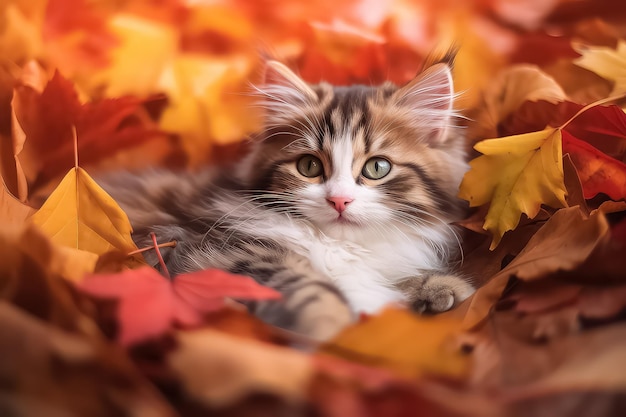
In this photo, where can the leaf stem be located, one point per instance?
(75, 139)
(171, 244)
(591, 105)
(158, 254)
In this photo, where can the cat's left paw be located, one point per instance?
(436, 293)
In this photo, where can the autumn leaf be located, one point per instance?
(516, 174)
(149, 303)
(607, 62)
(12, 210)
(30, 278)
(251, 366)
(391, 349)
(563, 243)
(598, 172)
(48, 119)
(80, 215)
(67, 363)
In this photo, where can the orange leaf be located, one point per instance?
(382, 340)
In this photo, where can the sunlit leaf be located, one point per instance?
(80, 215)
(516, 175)
(607, 62)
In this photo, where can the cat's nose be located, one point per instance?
(339, 203)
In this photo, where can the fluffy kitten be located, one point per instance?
(343, 203)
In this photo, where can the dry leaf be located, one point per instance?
(382, 341)
(598, 172)
(530, 173)
(12, 211)
(45, 368)
(608, 63)
(220, 370)
(564, 242)
(80, 215)
(30, 278)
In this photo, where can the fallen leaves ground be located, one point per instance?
(90, 86)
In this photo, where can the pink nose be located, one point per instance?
(339, 203)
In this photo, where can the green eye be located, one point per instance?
(376, 168)
(309, 166)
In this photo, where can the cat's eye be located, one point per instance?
(309, 166)
(376, 168)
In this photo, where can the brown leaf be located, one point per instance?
(585, 362)
(48, 371)
(564, 242)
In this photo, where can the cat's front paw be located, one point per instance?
(435, 293)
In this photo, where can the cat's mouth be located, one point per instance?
(342, 220)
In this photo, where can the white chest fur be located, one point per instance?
(366, 266)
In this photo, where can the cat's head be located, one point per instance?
(348, 159)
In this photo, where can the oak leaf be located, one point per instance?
(609, 63)
(382, 340)
(81, 215)
(517, 174)
(149, 303)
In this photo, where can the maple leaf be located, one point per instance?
(517, 174)
(81, 215)
(607, 62)
(149, 303)
(48, 118)
(390, 348)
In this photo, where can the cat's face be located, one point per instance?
(354, 159)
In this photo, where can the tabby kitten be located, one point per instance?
(343, 203)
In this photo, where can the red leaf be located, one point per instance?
(598, 172)
(197, 288)
(103, 128)
(149, 303)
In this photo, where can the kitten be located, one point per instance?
(343, 203)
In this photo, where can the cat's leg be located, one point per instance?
(311, 304)
(435, 293)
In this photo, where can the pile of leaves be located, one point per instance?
(86, 328)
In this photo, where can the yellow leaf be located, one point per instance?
(517, 174)
(207, 98)
(607, 63)
(388, 340)
(145, 50)
(80, 215)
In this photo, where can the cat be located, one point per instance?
(343, 204)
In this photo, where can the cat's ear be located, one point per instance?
(282, 88)
(429, 99)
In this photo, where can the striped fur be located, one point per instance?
(393, 241)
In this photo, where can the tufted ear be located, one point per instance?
(428, 100)
(283, 90)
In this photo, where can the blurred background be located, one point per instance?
(191, 62)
